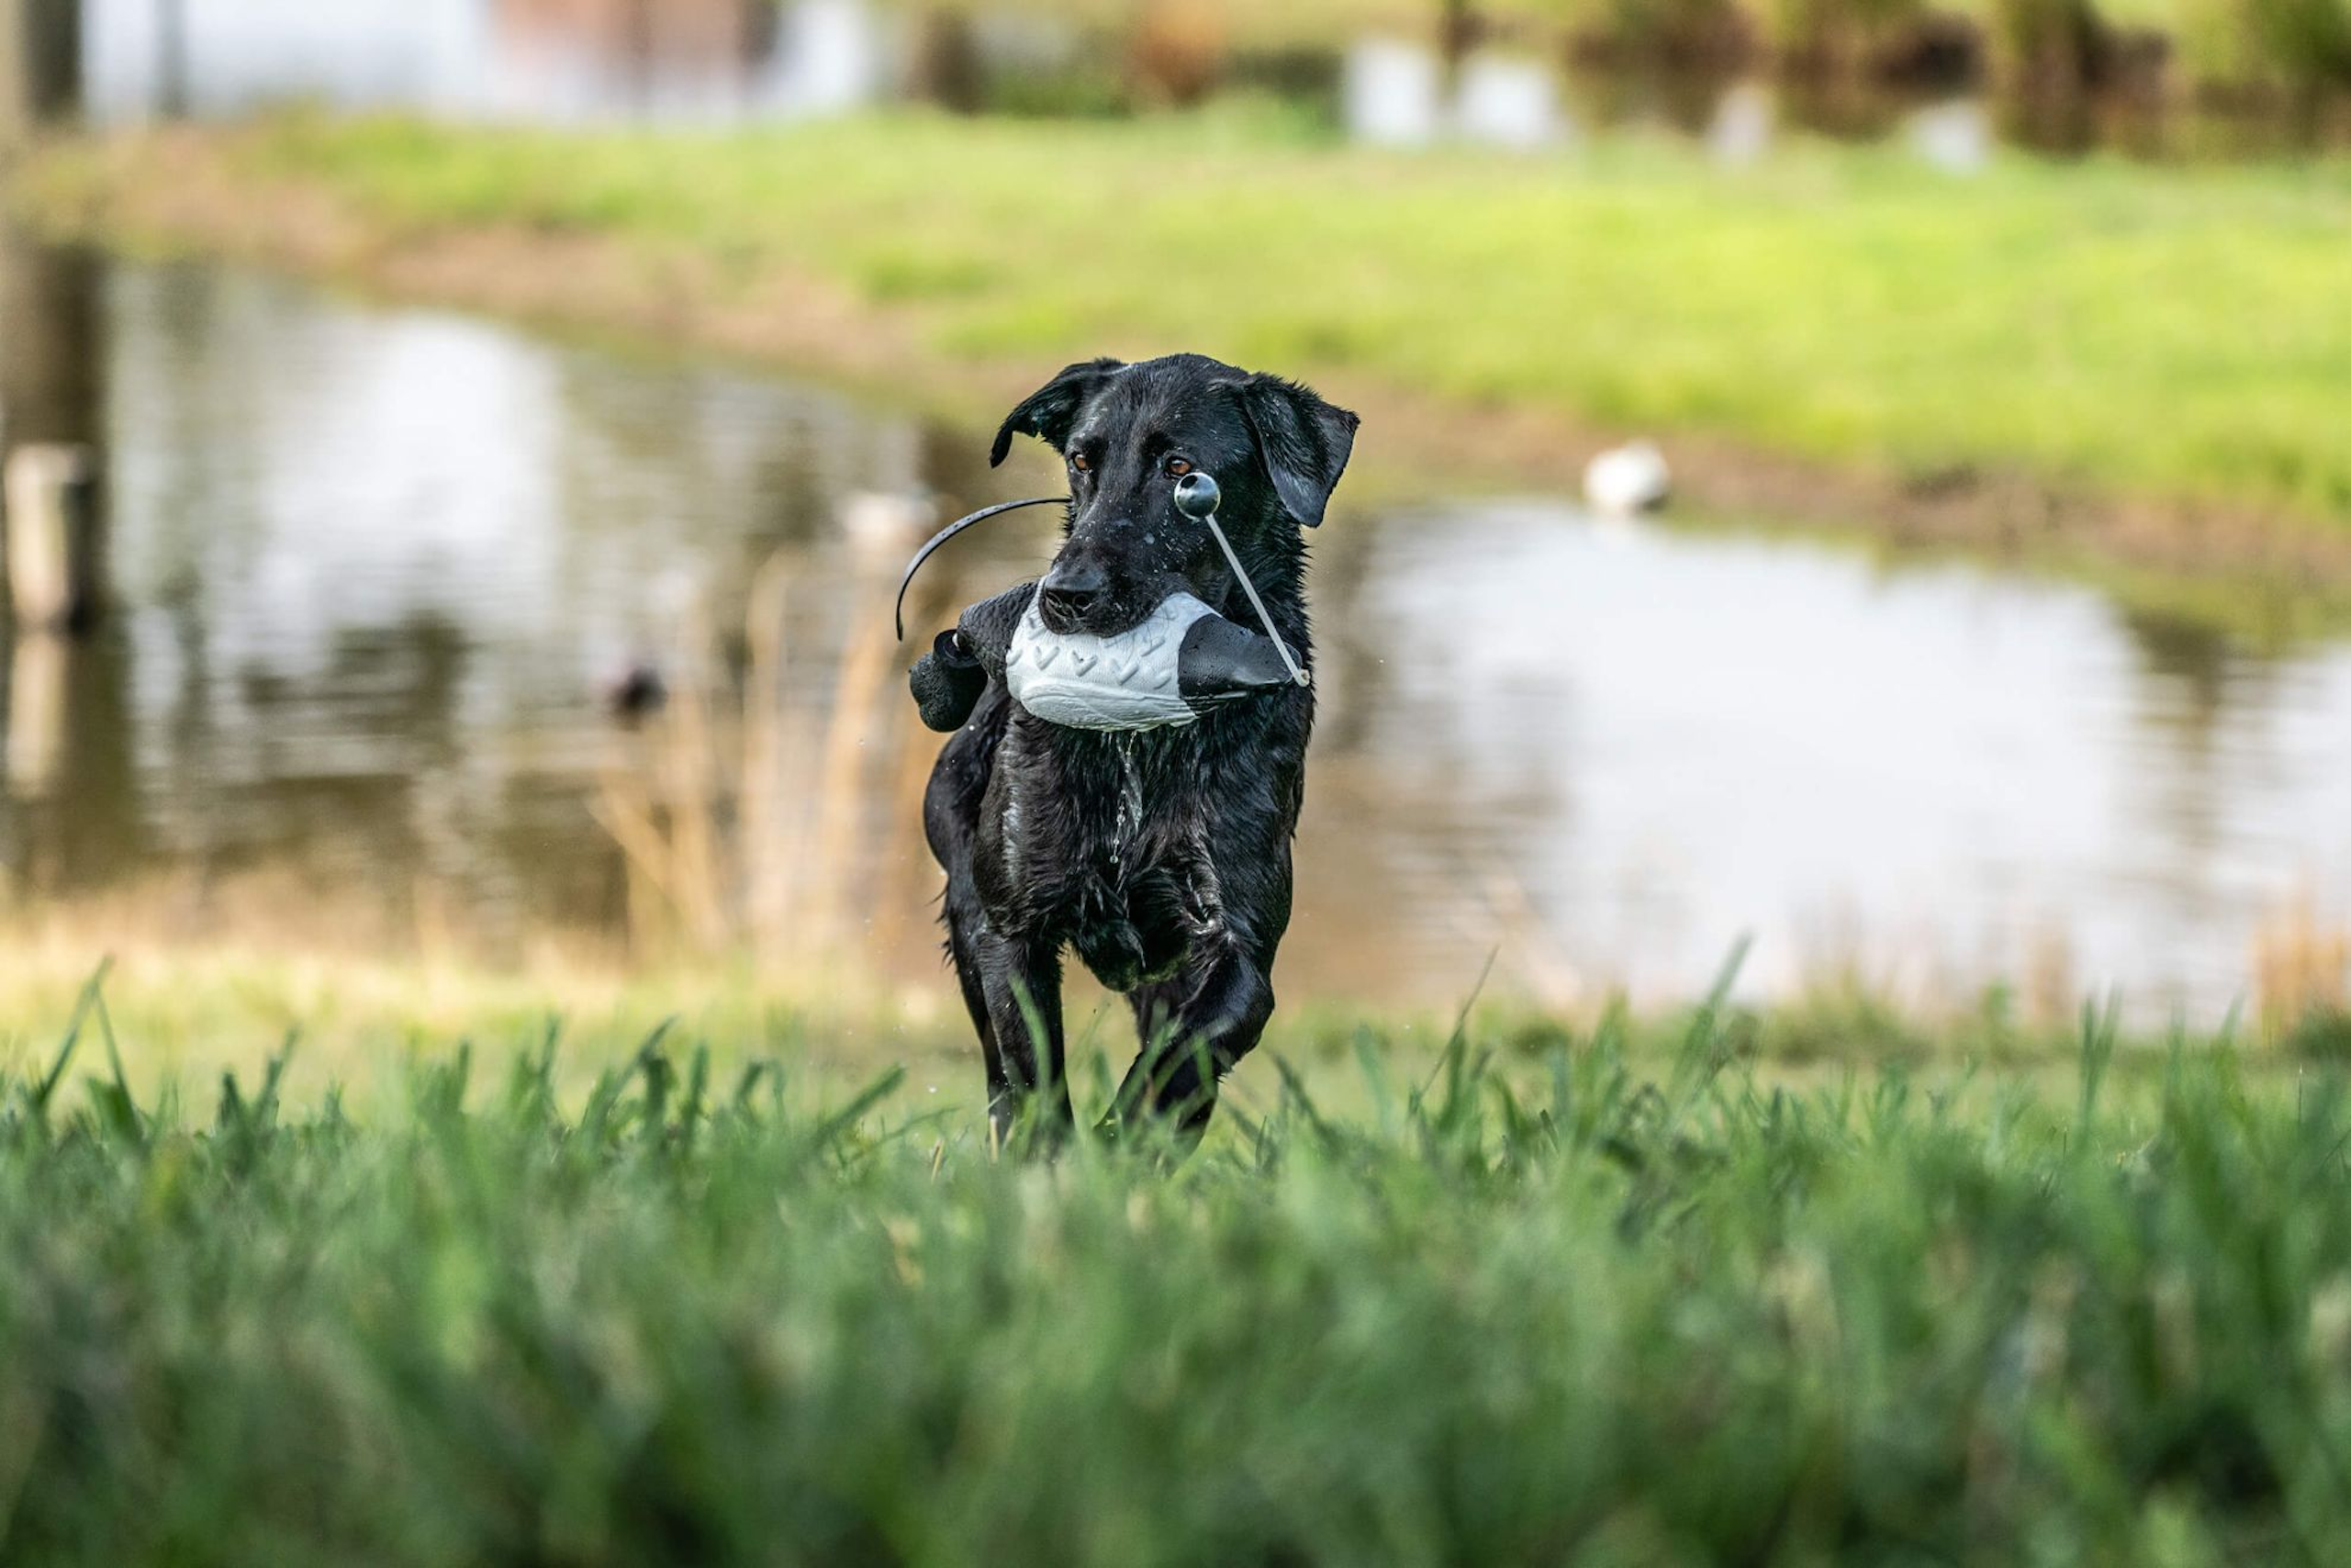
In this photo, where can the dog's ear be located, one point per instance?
(1303, 441)
(1047, 412)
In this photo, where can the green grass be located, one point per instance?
(1613, 1299)
(2158, 332)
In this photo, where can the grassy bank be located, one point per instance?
(2100, 356)
(1617, 1302)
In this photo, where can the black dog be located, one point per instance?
(1162, 857)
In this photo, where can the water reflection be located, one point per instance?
(1509, 101)
(373, 564)
(540, 60)
(1392, 94)
(1399, 93)
(1955, 137)
(1953, 766)
(1740, 131)
(226, 56)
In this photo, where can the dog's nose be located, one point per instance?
(1070, 593)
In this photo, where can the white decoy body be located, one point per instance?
(1628, 479)
(1131, 681)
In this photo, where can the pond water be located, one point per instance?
(373, 565)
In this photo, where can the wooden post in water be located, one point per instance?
(53, 549)
(41, 676)
(52, 429)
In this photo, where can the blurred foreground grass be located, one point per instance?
(2160, 333)
(1613, 1299)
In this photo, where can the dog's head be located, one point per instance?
(1128, 433)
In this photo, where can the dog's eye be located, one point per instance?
(1079, 460)
(1177, 468)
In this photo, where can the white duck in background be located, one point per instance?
(1628, 479)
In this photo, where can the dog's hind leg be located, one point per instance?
(962, 922)
(1193, 1029)
(1020, 986)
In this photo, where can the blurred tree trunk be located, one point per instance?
(947, 68)
(49, 344)
(171, 59)
(40, 64)
(1457, 31)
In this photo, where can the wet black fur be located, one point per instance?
(1162, 858)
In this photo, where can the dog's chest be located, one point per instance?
(1108, 851)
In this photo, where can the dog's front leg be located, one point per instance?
(1021, 980)
(1193, 1029)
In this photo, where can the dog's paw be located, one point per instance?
(946, 683)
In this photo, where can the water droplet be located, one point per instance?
(1130, 795)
